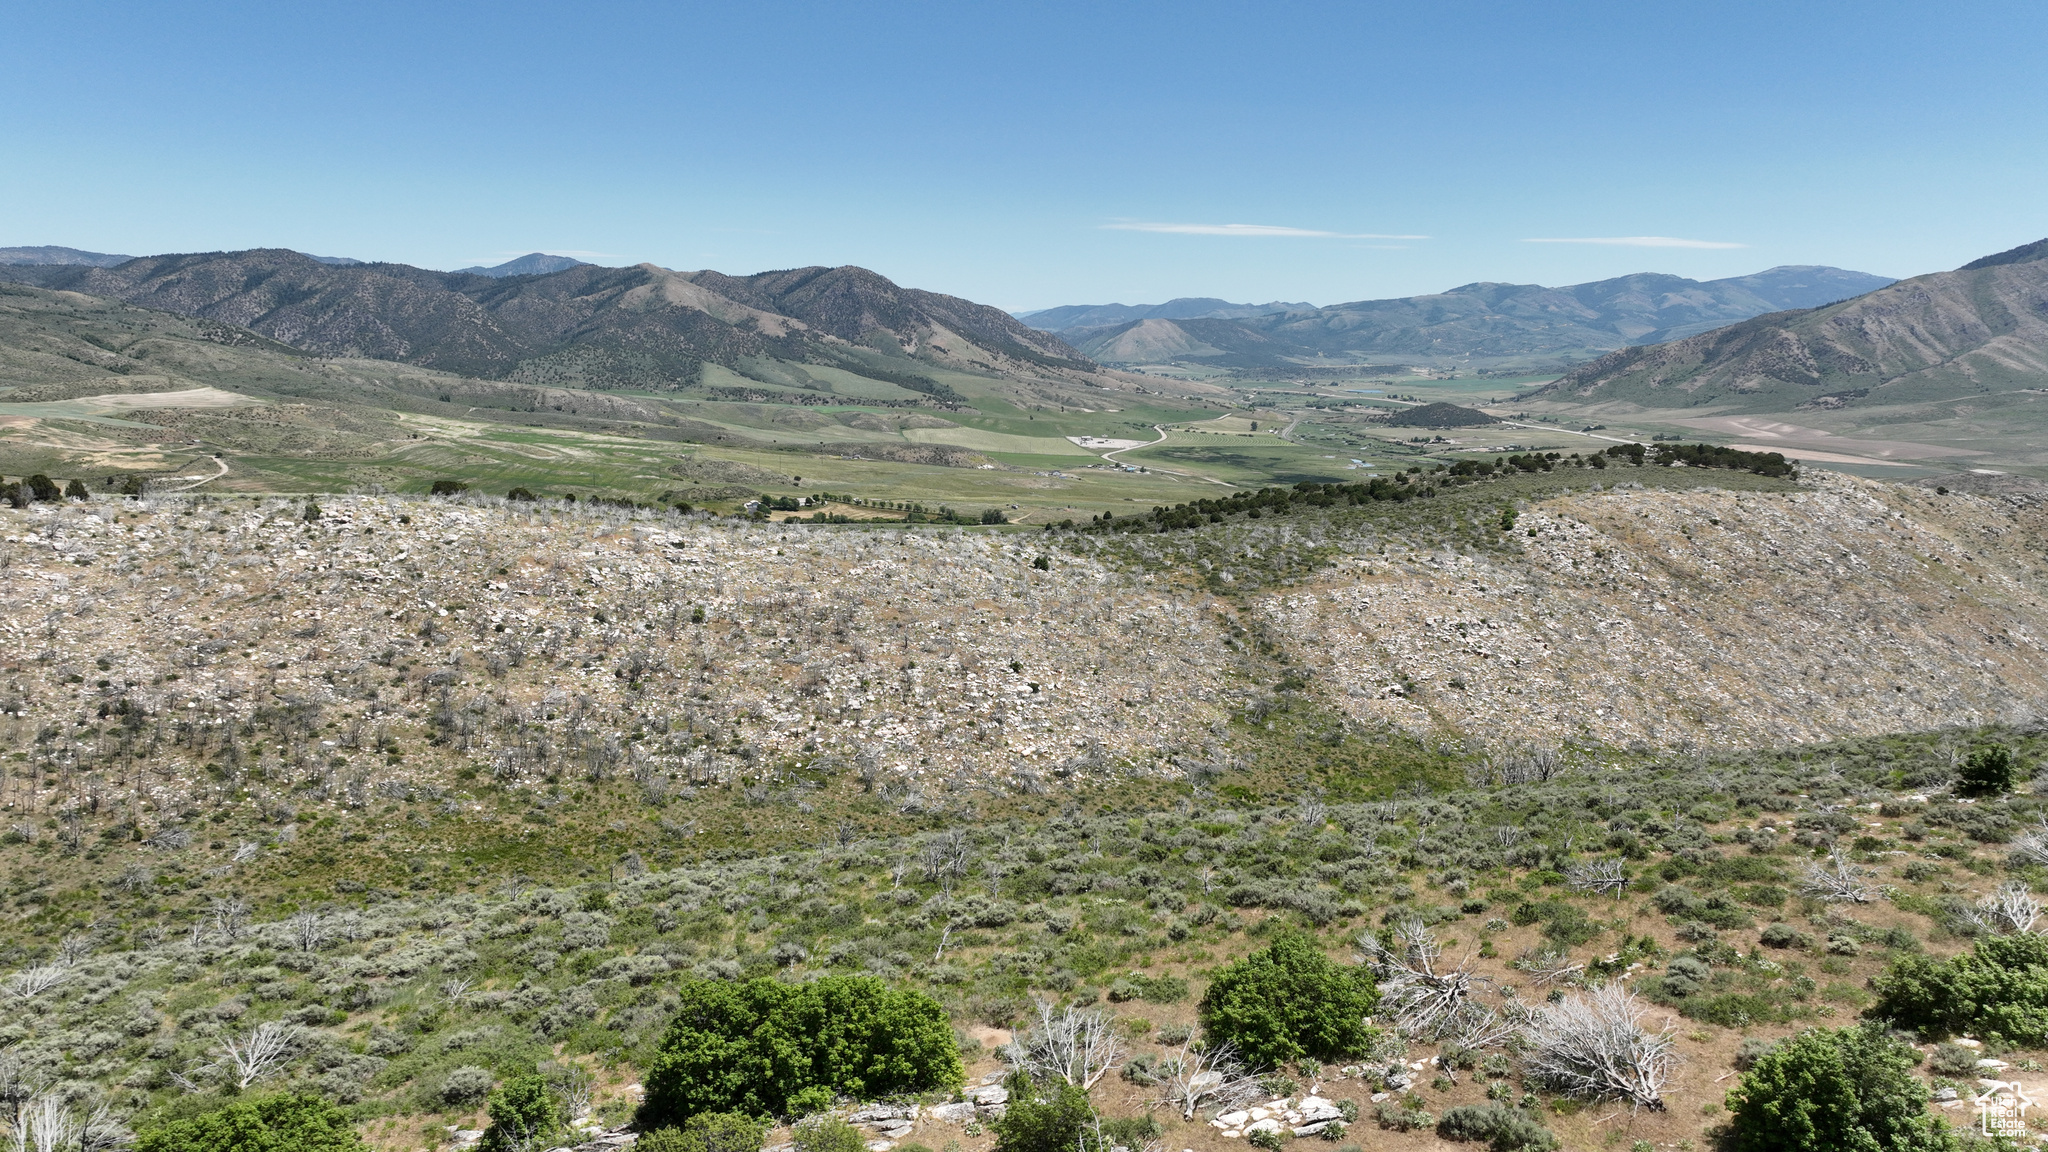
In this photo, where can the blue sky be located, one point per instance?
(1028, 155)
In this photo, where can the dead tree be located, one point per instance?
(2031, 846)
(1598, 877)
(1426, 1000)
(1593, 1046)
(2012, 910)
(266, 1050)
(30, 983)
(1077, 1045)
(1195, 1078)
(230, 916)
(308, 931)
(1549, 966)
(1837, 881)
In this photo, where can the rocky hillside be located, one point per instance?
(528, 640)
(1980, 329)
(1661, 619)
(587, 326)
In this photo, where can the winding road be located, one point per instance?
(1161, 429)
(195, 482)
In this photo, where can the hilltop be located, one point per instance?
(1567, 607)
(531, 264)
(1484, 324)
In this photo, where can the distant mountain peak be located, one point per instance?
(57, 254)
(1071, 317)
(531, 264)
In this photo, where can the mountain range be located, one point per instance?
(584, 326)
(1475, 325)
(1077, 316)
(1979, 329)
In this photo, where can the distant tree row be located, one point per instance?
(1264, 502)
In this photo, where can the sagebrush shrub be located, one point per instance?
(1503, 1129)
(825, 1134)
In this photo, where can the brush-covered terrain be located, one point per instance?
(439, 792)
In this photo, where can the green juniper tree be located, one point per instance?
(1851, 1090)
(1290, 1002)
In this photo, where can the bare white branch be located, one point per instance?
(1426, 1000)
(1077, 1045)
(1197, 1077)
(230, 916)
(74, 948)
(2031, 846)
(2012, 910)
(308, 931)
(1593, 1045)
(30, 983)
(1549, 966)
(267, 1049)
(103, 1131)
(44, 1124)
(1837, 881)
(1599, 877)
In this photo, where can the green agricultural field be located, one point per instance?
(1244, 460)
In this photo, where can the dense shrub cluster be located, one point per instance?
(757, 1047)
(1999, 987)
(1714, 456)
(1290, 1002)
(707, 1132)
(1834, 1091)
(291, 1123)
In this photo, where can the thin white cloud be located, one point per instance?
(1634, 241)
(1250, 230)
